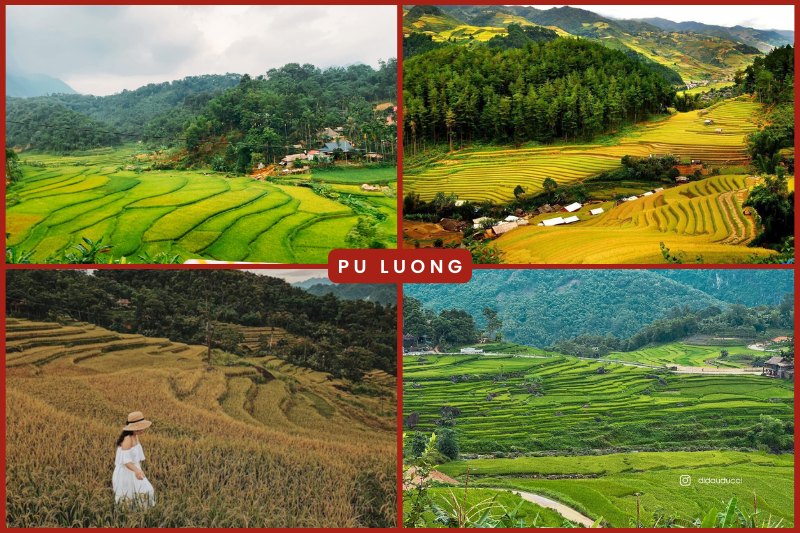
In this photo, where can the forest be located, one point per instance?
(342, 337)
(541, 307)
(682, 322)
(544, 91)
(222, 120)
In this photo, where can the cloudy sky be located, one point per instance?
(763, 17)
(291, 275)
(104, 49)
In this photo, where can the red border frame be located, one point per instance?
(399, 206)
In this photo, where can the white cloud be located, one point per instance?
(104, 49)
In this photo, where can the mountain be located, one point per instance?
(311, 282)
(764, 40)
(26, 85)
(694, 51)
(540, 307)
(381, 293)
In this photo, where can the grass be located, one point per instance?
(61, 199)
(228, 448)
(701, 220)
(679, 353)
(492, 173)
(605, 486)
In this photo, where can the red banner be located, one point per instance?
(430, 265)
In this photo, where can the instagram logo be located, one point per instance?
(685, 480)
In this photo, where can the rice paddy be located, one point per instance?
(582, 408)
(699, 221)
(262, 443)
(193, 214)
(606, 486)
(684, 354)
(480, 174)
(562, 423)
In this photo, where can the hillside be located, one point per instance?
(540, 307)
(176, 304)
(694, 51)
(26, 85)
(257, 443)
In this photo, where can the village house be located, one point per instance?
(597, 211)
(370, 188)
(292, 158)
(451, 224)
(571, 208)
(341, 146)
(504, 227)
(779, 367)
(682, 179)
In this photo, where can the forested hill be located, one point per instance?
(541, 307)
(157, 111)
(260, 118)
(224, 120)
(343, 337)
(561, 89)
(685, 51)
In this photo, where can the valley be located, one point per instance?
(668, 426)
(524, 121)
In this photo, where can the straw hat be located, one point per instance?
(136, 422)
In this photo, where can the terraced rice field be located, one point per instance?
(699, 220)
(605, 486)
(682, 354)
(492, 174)
(581, 409)
(575, 409)
(261, 444)
(193, 214)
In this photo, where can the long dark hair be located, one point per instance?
(125, 433)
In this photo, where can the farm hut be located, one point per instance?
(570, 220)
(708, 122)
(630, 198)
(719, 130)
(373, 156)
(682, 179)
(459, 203)
(343, 146)
(597, 211)
(511, 218)
(658, 189)
(503, 227)
(778, 367)
(471, 350)
(571, 208)
(522, 222)
(451, 224)
(648, 193)
(546, 208)
(553, 221)
(541, 224)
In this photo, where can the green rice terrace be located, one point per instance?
(103, 196)
(591, 434)
(492, 172)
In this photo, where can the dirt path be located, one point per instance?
(567, 512)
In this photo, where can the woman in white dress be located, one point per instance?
(130, 484)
